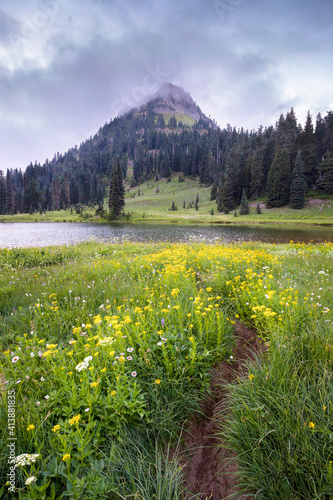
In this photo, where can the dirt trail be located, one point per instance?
(210, 470)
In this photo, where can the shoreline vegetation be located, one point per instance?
(66, 216)
(109, 348)
(170, 201)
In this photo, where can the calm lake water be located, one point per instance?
(44, 233)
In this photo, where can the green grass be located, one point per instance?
(103, 431)
(126, 308)
(185, 119)
(280, 422)
(155, 207)
(54, 216)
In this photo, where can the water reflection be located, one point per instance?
(44, 234)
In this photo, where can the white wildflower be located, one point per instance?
(26, 459)
(105, 341)
(30, 480)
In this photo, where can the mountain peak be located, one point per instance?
(169, 90)
(173, 99)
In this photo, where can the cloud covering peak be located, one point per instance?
(67, 67)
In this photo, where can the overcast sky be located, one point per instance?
(69, 66)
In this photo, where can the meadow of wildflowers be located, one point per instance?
(108, 348)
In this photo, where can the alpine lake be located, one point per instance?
(21, 234)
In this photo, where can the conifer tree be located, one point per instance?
(117, 191)
(257, 174)
(244, 208)
(2, 193)
(278, 180)
(225, 199)
(213, 192)
(326, 168)
(320, 138)
(307, 142)
(298, 183)
(9, 194)
(67, 193)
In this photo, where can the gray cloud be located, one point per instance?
(84, 60)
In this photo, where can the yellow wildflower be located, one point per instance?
(75, 420)
(66, 457)
(56, 428)
(97, 319)
(30, 427)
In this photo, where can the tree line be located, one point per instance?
(281, 162)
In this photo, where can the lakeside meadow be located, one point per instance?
(108, 350)
(152, 201)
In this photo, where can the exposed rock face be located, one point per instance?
(175, 101)
(172, 99)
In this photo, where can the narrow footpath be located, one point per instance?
(210, 469)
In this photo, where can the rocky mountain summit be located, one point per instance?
(171, 100)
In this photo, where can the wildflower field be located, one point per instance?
(106, 350)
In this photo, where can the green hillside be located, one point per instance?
(153, 200)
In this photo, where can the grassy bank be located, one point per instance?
(107, 349)
(152, 201)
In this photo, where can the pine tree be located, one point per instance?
(244, 208)
(307, 142)
(9, 194)
(278, 180)
(320, 138)
(213, 192)
(117, 191)
(32, 197)
(225, 199)
(67, 192)
(257, 174)
(298, 183)
(329, 131)
(326, 181)
(2, 193)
